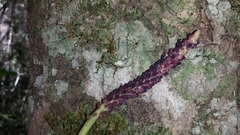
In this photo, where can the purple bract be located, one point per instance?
(151, 76)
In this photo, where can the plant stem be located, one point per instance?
(145, 81)
(88, 124)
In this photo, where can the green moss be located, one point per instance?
(202, 121)
(157, 130)
(109, 124)
(209, 65)
(201, 97)
(187, 68)
(176, 5)
(180, 13)
(70, 123)
(209, 129)
(59, 4)
(169, 30)
(233, 19)
(225, 87)
(186, 20)
(51, 118)
(93, 23)
(96, 8)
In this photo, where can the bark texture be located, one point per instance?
(79, 51)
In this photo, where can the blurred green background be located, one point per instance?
(13, 67)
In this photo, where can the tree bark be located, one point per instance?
(79, 51)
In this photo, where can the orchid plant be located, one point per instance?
(145, 81)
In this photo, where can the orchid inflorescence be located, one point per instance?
(145, 81)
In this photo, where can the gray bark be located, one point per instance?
(80, 51)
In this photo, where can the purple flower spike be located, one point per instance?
(145, 81)
(153, 75)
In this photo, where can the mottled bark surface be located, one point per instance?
(80, 51)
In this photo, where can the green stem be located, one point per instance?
(88, 124)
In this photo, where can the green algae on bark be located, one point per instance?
(143, 82)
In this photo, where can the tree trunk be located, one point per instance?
(79, 51)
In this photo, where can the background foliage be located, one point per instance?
(13, 67)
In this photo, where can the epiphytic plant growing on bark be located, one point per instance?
(143, 82)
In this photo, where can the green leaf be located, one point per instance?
(4, 72)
